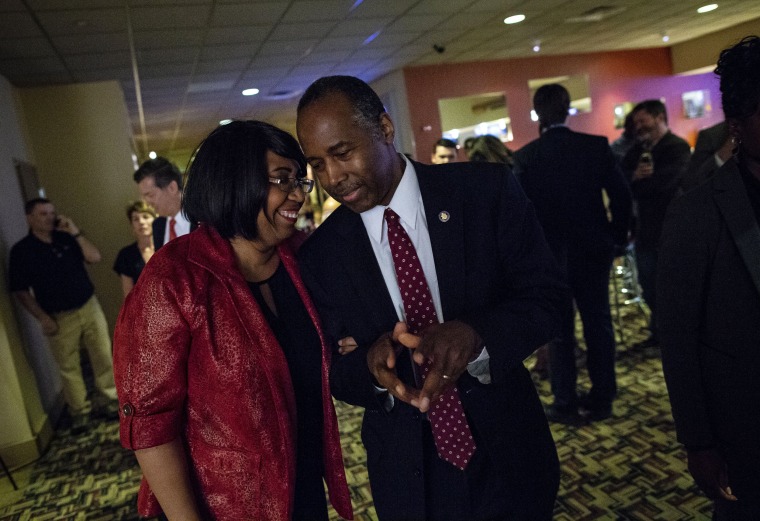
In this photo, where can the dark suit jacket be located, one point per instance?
(653, 194)
(563, 173)
(159, 230)
(709, 313)
(496, 273)
(702, 163)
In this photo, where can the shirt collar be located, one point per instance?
(405, 202)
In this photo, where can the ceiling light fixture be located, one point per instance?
(372, 37)
(665, 37)
(707, 8)
(225, 122)
(514, 19)
(250, 92)
(537, 46)
(152, 154)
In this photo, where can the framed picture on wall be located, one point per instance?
(695, 103)
(27, 178)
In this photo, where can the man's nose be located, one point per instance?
(332, 174)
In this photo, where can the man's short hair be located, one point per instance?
(739, 71)
(445, 143)
(551, 102)
(32, 203)
(161, 170)
(228, 179)
(366, 103)
(653, 107)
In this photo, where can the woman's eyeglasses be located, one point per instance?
(289, 184)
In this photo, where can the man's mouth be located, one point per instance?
(349, 194)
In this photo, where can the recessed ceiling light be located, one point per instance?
(707, 8)
(514, 19)
(250, 92)
(225, 122)
(152, 154)
(665, 37)
(537, 46)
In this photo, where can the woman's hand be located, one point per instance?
(346, 345)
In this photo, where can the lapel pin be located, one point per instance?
(444, 216)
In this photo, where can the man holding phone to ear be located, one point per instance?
(654, 167)
(47, 275)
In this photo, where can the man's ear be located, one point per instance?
(386, 126)
(172, 187)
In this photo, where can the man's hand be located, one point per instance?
(49, 325)
(381, 360)
(710, 473)
(448, 347)
(65, 224)
(643, 170)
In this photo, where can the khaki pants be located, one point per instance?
(86, 325)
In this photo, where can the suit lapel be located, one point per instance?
(731, 198)
(362, 269)
(445, 221)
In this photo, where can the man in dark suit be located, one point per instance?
(494, 288)
(713, 148)
(160, 184)
(564, 174)
(654, 166)
(709, 297)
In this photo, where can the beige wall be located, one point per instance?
(703, 52)
(24, 358)
(81, 142)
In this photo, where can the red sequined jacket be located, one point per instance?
(195, 358)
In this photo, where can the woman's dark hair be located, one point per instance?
(228, 178)
(739, 71)
(489, 149)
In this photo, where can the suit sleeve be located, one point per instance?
(682, 273)
(526, 314)
(350, 378)
(619, 194)
(151, 349)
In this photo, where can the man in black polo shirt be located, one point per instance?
(48, 276)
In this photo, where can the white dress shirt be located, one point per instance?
(181, 226)
(407, 203)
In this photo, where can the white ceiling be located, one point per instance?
(194, 57)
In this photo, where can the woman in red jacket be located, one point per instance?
(220, 360)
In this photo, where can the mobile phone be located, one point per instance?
(646, 159)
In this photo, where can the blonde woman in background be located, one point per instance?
(131, 259)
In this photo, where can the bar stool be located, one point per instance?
(8, 472)
(626, 289)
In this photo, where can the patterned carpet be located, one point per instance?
(628, 467)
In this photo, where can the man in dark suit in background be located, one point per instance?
(709, 297)
(494, 288)
(713, 148)
(564, 174)
(654, 167)
(160, 184)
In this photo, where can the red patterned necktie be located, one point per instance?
(172, 228)
(453, 439)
